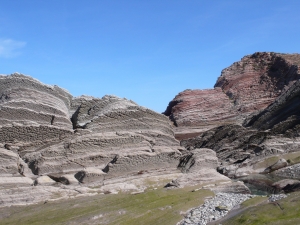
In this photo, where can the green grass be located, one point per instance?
(254, 201)
(286, 213)
(293, 157)
(266, 162)
(159, 206)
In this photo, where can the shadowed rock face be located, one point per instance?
(270, 131)
(283, 114)
(245, 87)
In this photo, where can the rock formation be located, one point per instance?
(113, 137)
(243, 88)
(199, 110)
(53, 143)
(199, 167)
(251, 116)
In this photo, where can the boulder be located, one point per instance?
(44, 181)
(286, 184)
(292, 172)
(90, 175)
(199, 168)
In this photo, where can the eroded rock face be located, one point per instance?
(112, 135)
(101, 142)
(282, 115)
(199, 168)
(245, 87)
(32, 114)
(200, 109)
(255, 81)
(240, 149)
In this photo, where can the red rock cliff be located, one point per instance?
(243, 88)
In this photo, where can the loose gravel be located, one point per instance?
(217, 207)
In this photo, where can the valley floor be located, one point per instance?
(156, 206)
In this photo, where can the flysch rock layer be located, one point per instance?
(113, 137)
(243, 88)
(200, 109)
(32, 114)
(199, 167)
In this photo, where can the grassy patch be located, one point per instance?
(266, 162)
(159, 206)
(285, 212)
(293, 157)
(254, 201)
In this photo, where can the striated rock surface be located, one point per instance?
(241, 150)
(282, 115)
(32, 114)
(199, 168)
(113, 137)
(52, 140)
(245, 87)
(255, 81)
(200, 109)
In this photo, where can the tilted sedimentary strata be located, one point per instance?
(32, 114)
(243, 88)
(53, 143)
(56, 142)
(113, 137)
(265, 91)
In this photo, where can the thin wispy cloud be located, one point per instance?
(10, 48)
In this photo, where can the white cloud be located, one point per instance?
(10, 48)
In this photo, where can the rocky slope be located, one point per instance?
(243, 88)
(269, 132)
(258, 127)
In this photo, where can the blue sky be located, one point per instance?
(146, 51)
